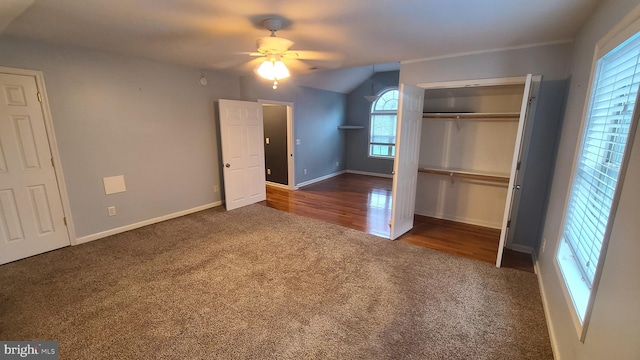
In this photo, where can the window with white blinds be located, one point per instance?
(601, 156)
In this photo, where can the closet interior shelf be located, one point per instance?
(467, 174)
(350, 127)
(506, 116)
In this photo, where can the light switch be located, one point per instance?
(266, 141)
(114, 184)
(297, 141)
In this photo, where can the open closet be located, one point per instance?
(462, 152)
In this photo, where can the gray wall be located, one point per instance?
(358, 111)
(275, 152)
(536, 182)
(317, 115)
(116, 115)
(550, 61)
(614, 329)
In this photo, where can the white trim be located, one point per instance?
(518, 80)
(468, 53)
(53, 144)
(103, 234)
(545, 306)
(521, 248)
(389, 176)
(276, 185)
(291, 175)
(313, 181)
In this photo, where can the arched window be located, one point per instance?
(382, 126)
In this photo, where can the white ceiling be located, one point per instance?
(212, 34)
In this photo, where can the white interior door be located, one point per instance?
(405, 166)
(241, 132)
(31, 214)
(511, 190)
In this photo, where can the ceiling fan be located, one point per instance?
(277, 51)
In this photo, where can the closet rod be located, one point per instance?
(466, 175)
(462, 116)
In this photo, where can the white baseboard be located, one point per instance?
(313, 181)
(461, 220)
(369, 174)
(103, 234)
(521, 248)
(276, 185)
(547, 316)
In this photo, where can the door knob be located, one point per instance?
(227, 165)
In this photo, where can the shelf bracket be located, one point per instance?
(458, 123)
(452, 178)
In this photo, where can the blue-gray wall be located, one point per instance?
(119, 115)
(316, 117)
(358, 110)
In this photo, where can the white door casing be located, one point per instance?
(517, 151)
(31, 210)
(405, 166)
(242, 133)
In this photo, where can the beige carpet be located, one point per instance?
(256, 283)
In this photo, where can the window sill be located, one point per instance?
(380, 157)
(574, 286)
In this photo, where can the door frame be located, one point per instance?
(290, 140)
(53, 144)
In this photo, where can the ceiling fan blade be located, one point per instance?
(311, 55)
(227, 64)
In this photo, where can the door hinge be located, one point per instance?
(39, 97)
(518, 166)
(52, 163)
(65, 220)
(531, 99)
(508, 223)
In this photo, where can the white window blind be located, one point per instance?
(604, 141)
(384, 118)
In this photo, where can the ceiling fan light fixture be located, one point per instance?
(273, 69)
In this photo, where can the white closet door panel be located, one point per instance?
(406, 161)
(511, 191)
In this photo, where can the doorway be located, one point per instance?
(278, 143)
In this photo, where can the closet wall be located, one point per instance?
(466, 151)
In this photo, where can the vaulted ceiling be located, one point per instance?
(215, 34)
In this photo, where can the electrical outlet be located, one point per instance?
(112, 210)
(268, 171)
(305, 171)
(297, 141)
(337, 163)
(216, 188)
(544, 244)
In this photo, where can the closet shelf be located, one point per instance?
(506, 116)
(467, 174)
(350, 127)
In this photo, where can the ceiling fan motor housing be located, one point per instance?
(273, 45)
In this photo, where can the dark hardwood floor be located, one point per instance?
(364, 203)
